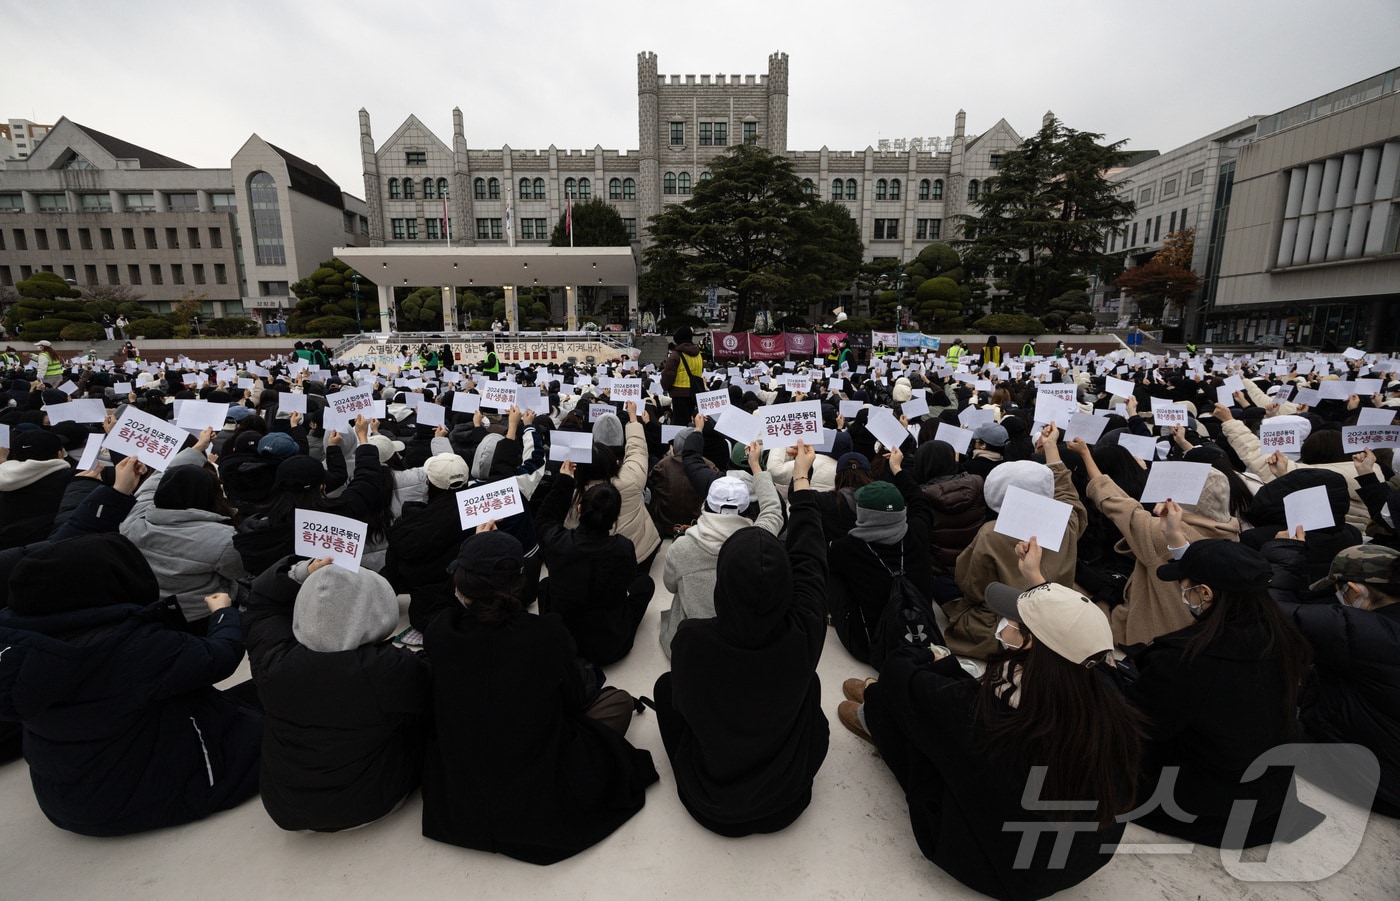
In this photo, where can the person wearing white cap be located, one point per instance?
(690, 563)
(1046, 717)
(46, 365)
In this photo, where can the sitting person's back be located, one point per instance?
(32, 482)
(346, 710)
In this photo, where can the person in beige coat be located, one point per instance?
(1151, 607)
(634, 521)
(1271, 466)
(991, 557)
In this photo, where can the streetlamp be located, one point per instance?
(355, 280)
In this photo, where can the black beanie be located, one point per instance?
(113, 572)
(684, 335)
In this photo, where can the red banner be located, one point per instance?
(827, 340)
(733, 345)
(801, 344)
(767, 347)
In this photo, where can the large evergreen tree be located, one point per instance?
(595, 224)
(750, 228)
(1040, 225)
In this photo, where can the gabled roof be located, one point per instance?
(309, 179)
(125, 150)
(413, 122)
(1001, 126)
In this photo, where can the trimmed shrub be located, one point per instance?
(82, 331)
(669, 324)
(45, 329)
(1009, 324)
(331, 326)
(230, 326)
(150, 327)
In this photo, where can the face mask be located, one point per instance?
(1194, 608)
(1000, 626)
(1342, 596)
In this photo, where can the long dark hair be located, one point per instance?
(1234, 610)
(1071, 720)
(602, 504)
(494, 598)
(603, 468)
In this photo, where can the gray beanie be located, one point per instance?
(337, 610)
(1027, 474)
(608, 432)
(485, 456)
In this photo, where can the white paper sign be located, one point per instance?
(1286, 436)
(797, 384)
(1025, 515)
(914, 406)
(783, 425)
(739, 424)
(343, 406)
(462, 402)
(972, 417)
(1307, 397)
(1086, 426)
(1356, 438)
(90, 452)
(431, 414)
(1118, 387)
(4, 435)
(152, 441)
(597, 410)
(886, 429)
(1180, 482)
(712, 403)
(88, 410)
(1309, 508)
(498, 396)
(960, 439)
(1167, 413)
(576, 446)
(68, 387)
(1332, 389)
(1353, 353)
(668, 432)
(291, 402)
(198, 415)
(850, 408)
(122, 389)
(624, 390)
(1055, 403)
(494, 500)
(320, 535)
(1144, 447)
(1375, 416)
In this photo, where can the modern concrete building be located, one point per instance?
(98, 210)
(19, 137)
(1311, 217)
(423, 190)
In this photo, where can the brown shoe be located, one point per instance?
(846, 712)
(854, 689)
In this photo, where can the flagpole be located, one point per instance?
(510, 215)
(569, 219)
(446, 228)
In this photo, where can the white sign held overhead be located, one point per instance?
(198, 415)
(595, 411)
(850, 408)
(784, 425)
(319, 535)
(431, 414)
(959, 438)
(1086, 426)
(1167, 413)
(739, 424)
(623, 390)
(576, 446)
(494, 500)
(1118, 387)
(81, 411)
(90, 452)
(499, 396)
(462, 402)
(1310, 508)
(1356, 438)
(1144, 447)
(1286, 436)
(154, 442)
(1375, 416)
(291, 402)
(1180, 482)
(343, 406)
(914, 406)
(886, 429)
(1025, 515)
(712, 403)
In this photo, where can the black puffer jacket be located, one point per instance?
(958, 513)
(1353, 690)
(345, 730)
(31, 492)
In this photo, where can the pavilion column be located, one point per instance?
(631, 306)
(388, 322)
(512, 309)
(571, 308)
(449, 308)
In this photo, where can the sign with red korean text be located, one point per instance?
(319, 535)
(712, 403)
(1356, 438)
(767, 347)
(733, 345)
(783, 425)
(494, 500)
(1286, 436)
(154, 442)
(343, 406)
(498, 395)
(623, 390)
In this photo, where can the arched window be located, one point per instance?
(629, 188)
(539, 189)
(394, 193)
(408, 188)
(924, 188)
(894, 189)
(493, 189)
(937, 189)
(972, 189)
(479, 189)
(268, 248)
(668, 183)
(683, 183)
(525, 193)
(882, 189)
(614, 189)
(809, 187)
(850, 189)
(428, 186)
(837, 189)
(571, 188)
(705, 176)
(585, 189)
(442, 189)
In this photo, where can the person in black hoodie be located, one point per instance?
(594, 582)
(124, 731)
(32, 481)
(683, 376)
(747, 768)
(1298, 562)
(346, 710)
(522, 762)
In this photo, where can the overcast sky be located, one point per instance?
(194, 79)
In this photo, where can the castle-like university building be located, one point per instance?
(421, 189)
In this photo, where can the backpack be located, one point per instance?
(905, 621)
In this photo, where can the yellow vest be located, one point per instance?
(688, 363)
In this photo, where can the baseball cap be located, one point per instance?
(44, 343)
(851, 457)
(34, 444)
(1221, 564)
(1060, 618)
(386, 446)
(991, 434)
(238, 412)
(489, 553)
(277, 444)
(1362, 563)
(447, 471)
(727, 492)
